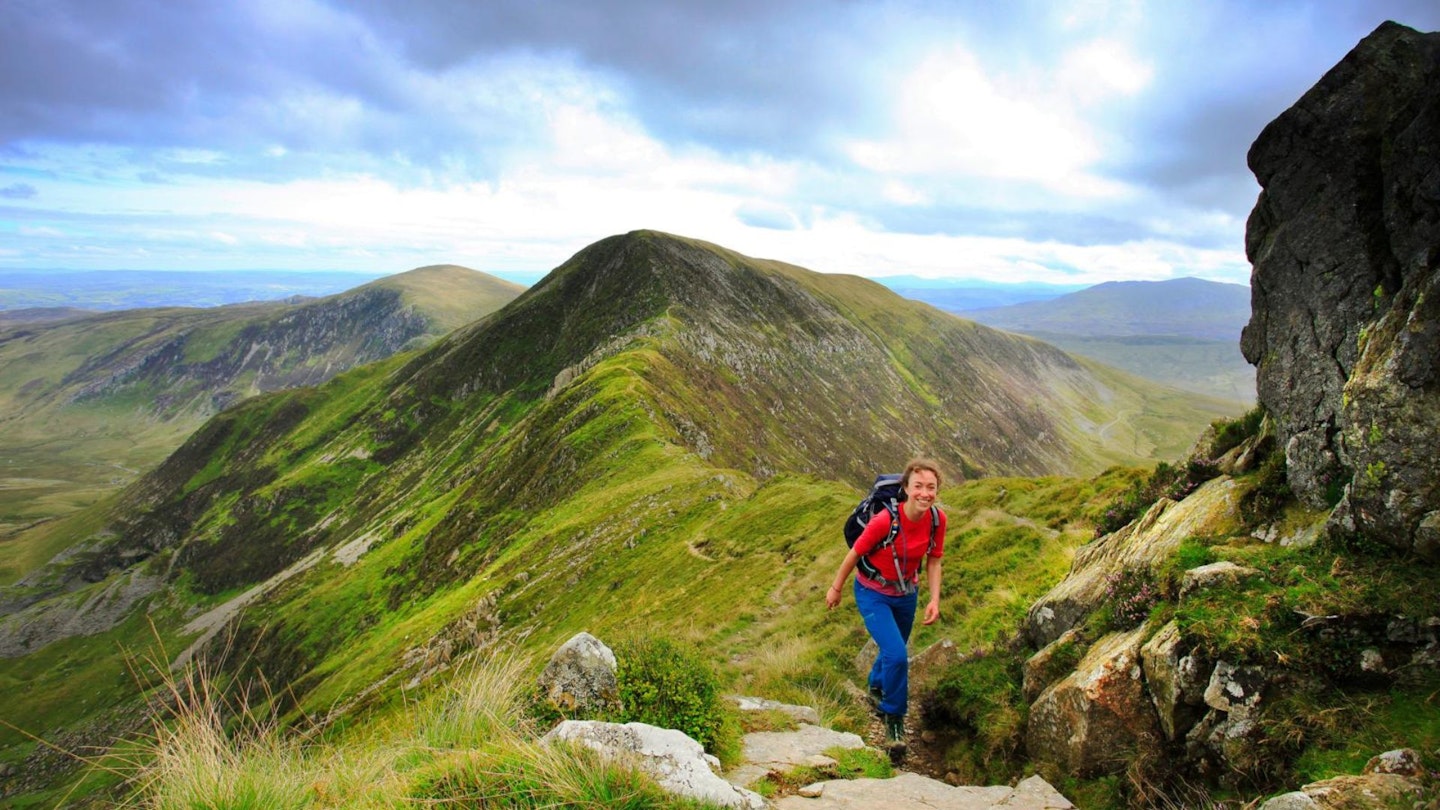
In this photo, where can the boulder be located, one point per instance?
(677, 763)
(1345, 295)
(1176, 679)
(1099, 718)
(1210, 511)
(1400, 762)
(580, 677)
(1351, 793)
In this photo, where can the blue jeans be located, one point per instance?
(889, 619)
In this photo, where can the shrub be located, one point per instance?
(666, 684)
(1271, 493)
(1230, 433)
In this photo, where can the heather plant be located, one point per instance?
(1129, 596)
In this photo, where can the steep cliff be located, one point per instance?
(1345, 243)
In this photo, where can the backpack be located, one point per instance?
(884, 494)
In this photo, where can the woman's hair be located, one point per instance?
(921, 464)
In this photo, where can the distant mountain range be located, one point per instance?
(89, 399)
(109, 290)
(960, 296)
(1183, 332)
(1186, 307)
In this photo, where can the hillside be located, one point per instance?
(1183, 332)
(89, 402)
(660, 431)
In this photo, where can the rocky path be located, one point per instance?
(768, 751)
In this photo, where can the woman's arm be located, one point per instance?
(932, 572)
(832, 596)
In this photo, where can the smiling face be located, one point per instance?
(921, 490)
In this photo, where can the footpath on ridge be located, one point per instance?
(783, 751)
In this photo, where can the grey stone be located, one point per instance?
(1294, 800)
(1216, 573)
(766, 751)
(1235, 689)
(580, 677)
(909, 791)
(801, 714)
(1401, 762)
(677, 763)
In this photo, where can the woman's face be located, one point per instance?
(922, 488)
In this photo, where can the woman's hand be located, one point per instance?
(932, 611)
(832, 597)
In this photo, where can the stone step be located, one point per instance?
(911, 791)
(766, 751)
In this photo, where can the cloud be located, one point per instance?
(1030, 138)
(18, 191)
(767, 215)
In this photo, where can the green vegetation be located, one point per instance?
(664, 684)
(465, 745)
(978, 702)
(98, 400)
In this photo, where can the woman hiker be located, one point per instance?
(887, 602)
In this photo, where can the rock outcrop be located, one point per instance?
(1141, 545)
(1099, 717)
(1345, 243)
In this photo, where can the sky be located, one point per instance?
(1055, 142)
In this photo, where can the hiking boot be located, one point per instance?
(895, 737)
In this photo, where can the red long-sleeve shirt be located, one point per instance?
(910, 545)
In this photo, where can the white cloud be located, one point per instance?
(1101, 69)
(954, 120)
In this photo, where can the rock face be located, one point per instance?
(1345, 324)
